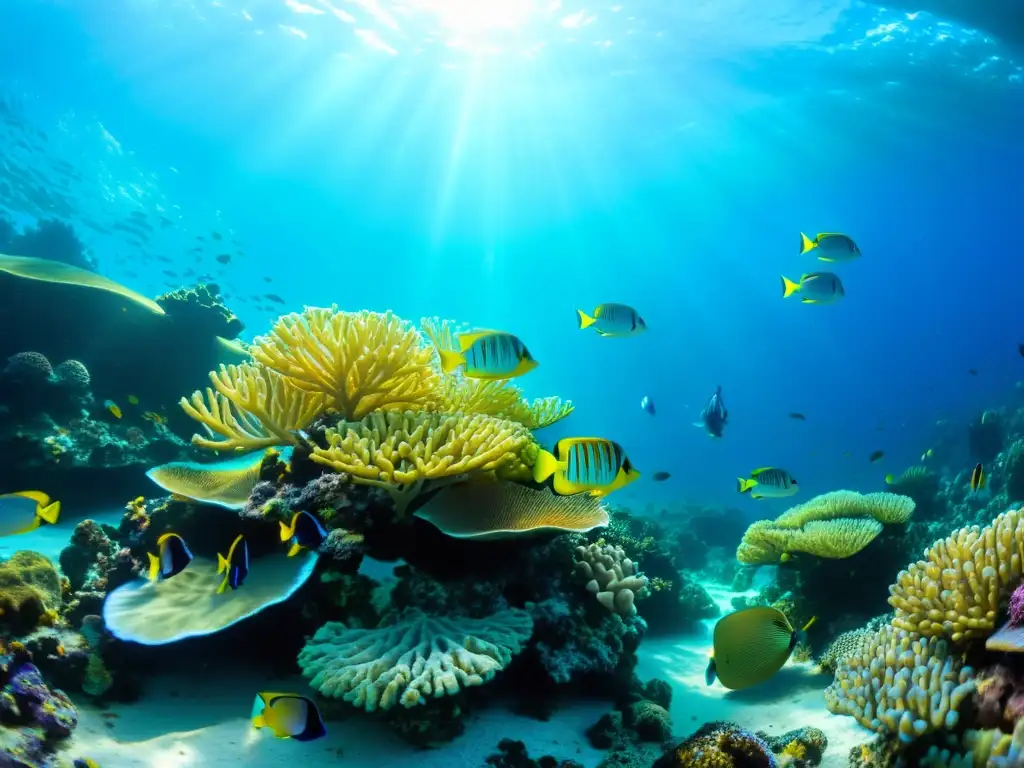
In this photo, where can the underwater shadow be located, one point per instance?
(788, 681)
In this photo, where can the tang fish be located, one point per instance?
(288, 715)
(111, 406)
(815, 288)
(714, 415)
(648, 405)
(488, 355)
(830, 246)
(978, 477)
(585, 464)
(172, 557)
(768, 482)
(751, 645)
(613, 320)
(24, 511)
(305, 532)
(235, 566)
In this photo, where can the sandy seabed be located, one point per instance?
(180, 723)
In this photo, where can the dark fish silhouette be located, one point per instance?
(714, 415)
(798, 416)
(876, 456)
(274, 297)
(224, 258)
(660, 476)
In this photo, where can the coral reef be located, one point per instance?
(30, 592)
(413, 659)
(897, 682)
(834, 525)
(513, 754)
(801, 748)
(610, 576)
(719, 744)
(921, 485)
(1014, 471)
(201, 308)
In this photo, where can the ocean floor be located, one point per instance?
(181, 723)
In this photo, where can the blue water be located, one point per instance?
(502, 163)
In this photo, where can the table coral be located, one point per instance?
(901, 683)
(416, 658)
(834, 525)
(956, 589)
(609, 575)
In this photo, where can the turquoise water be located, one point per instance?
(504, 164)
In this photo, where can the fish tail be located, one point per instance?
(259, 722)
(223, 586)
(789, 287)
(585, 320)
(545, 467)
(809, 624)
(743, 485)
(450, 360)
(295, 549)
(806, 244)
(50, 513)
(154, 566)
(286, 532)
(222, 563)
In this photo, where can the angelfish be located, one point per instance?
(305, 532)
(25, 511)
(173, 557)
(288, 715)
(235, 566)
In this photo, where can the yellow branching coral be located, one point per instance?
(956, 590)
(897, 682)
(400, 452)
(833, 525)
(250, 407)
(500, 399)
(362, 361)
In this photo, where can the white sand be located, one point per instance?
(206, 722)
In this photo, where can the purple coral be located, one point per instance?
(28, 367)
(1017, 607)
(72, 374)
(51, 710)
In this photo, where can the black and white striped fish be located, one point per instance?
(585, 464)
(488, 355)
(768, 482)
(613, 320)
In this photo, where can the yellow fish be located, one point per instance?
(288, 715)
(111, 406)
(133, 400)
(927, 454)
(750, 646)
(488, 355)
(830, 246)
(585, 464)
(978, 478)
(815, 288)
(613, 320)
(24, 511)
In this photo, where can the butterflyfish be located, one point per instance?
(488, 355)
(25, 511)
(585, 464)
(173, 557)
(613, 320)
(305, 532)
(815, 288)
(751, 645)
(235, 566)
(111, 406)
(768, 483)
(978, 477)
(288, 715)
(830, 246)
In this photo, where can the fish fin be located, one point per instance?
(699, 424)
(295, 549)
(809, 624)
(743, 485)
(154, 566)
(599, 493)
(49, 513)
(450, 360)
(789, 287)
(40, 498)
(286, 532)
(809, 301)
(825, 258)
(259, 722)
(585, 320)
(223, 586)
(756, 496)
(806, 244)
(545, 467)
(467, 340)
(759, 470)
(711, 673)
(222, 563)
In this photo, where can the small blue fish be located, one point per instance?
(714, 415)
(235, 566)
(647, 404)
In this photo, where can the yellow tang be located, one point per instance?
(751, 646)
(488, 355)
(585, 464)
(24, 511)
(288, 715)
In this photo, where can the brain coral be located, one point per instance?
(898, 682)
(956, 590)
(72, 374)
(416, 658)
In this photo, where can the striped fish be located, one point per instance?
(488, 355)
(235, 566)
(585, 465)
(613, 320)
(768, 482)
(815, 288)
